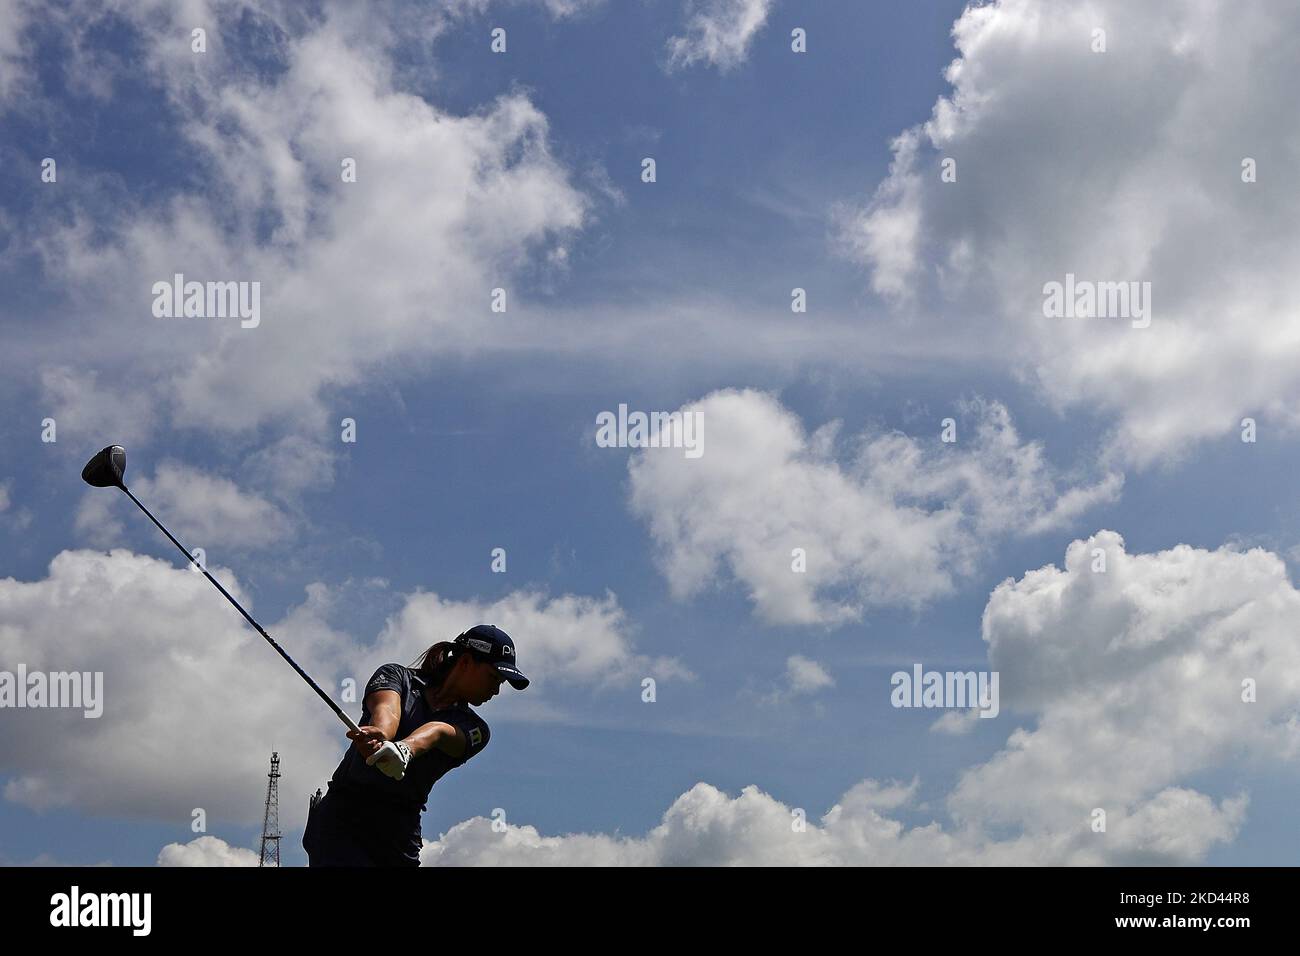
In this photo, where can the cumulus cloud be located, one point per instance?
(1117, 166)
(206, 851)
(1136, 676)
(1124, 685)
(388, 270)
(567, 640)
(178, 662)
(707, 827)
(202, 510)
(718, 33)
(895, 523)
(1131, 679)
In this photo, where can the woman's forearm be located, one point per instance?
(385, 712)
(435, 735)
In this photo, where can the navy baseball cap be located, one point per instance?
(490, 643)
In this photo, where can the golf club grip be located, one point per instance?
(248, 617)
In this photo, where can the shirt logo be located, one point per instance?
(475, 736)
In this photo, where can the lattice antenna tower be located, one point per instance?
(271, 818)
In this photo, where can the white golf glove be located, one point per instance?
(391, 758)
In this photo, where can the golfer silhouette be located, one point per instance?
(416, 724)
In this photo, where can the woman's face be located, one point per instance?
(483, 681)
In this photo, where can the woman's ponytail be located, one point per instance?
(436, 663)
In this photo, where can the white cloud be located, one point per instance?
(706, 827)
(957, 722)
(718, 33)
(802, 678)
(206, 851)
(291, 466)
(202, 510)
(897, 523)
(567, 640)
(89, 410)
(13, 520)
(94, 68)
(390, 270)
(569, 8)
(13, 22)
(1135, 675)
(1132, 680)
(805, 675)
(556, 8)
(194, 701)
(1117, 166)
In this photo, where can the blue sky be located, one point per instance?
(476, 430)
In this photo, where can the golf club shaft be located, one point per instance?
(270, 640)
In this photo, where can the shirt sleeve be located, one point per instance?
(474, 728)
(389, 677)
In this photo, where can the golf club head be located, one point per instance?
(105, 470)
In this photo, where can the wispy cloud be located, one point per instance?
(717, 33)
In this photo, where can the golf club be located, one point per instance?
(105, 470)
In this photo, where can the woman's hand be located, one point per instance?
(368, 740)
(391, 758)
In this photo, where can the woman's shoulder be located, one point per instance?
(465, 717)
(390, 676)
(473, 714)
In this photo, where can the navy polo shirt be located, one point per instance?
(412, 791)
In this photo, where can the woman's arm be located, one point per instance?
(436, 735)
(385, 709)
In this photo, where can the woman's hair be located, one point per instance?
(434, 665)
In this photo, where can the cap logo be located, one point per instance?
(483, 646)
